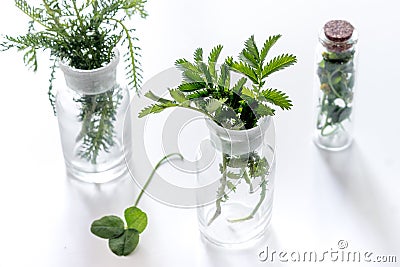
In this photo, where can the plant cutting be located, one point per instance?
(123, 240)
(82, 38)
(236, 112)
(335, 84)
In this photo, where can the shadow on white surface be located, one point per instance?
(362, 187)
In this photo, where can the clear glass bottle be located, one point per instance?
(241, 206)
(91, 110)
(335, 84)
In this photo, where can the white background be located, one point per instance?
(320, 197)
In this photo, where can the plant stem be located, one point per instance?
(221, 191)
(152, 174)
(262, 198)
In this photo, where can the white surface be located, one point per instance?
(320, 197)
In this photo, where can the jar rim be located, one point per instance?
(65, 67)
(342, 45)
(92, 82)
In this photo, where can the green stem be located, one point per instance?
(248, 181)
(221, 192)
(77, 13)
(152, 174)
(262, 198)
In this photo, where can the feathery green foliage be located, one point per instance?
(236, 106)
(83, 34)
(209, 90)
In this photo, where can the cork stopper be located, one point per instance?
(338, 30)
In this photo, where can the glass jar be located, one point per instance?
(244, 166)
(335, 84)
(91, 109)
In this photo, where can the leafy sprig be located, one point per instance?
(83, 34)
(336, 75)
(207, 89)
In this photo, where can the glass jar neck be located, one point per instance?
(91, 82)
(238, 142)
(336, 46)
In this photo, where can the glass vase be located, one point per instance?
(244, 166)
(335, 85)
(91, 108)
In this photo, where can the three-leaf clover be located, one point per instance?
(123, 238)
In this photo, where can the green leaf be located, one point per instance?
(191, 76)
(178, 95)
(251, 48)
(215, 52)
(184, 65)
(212, 60)
(267, 46)
(231, 186)
(247, 92)
(213, 105)
(198, 94)
(278, 63)
(234, 176)
(224, 78)
(107, 227)
(154, 97)
(198, 55)
(155, 108)
(263, 110)
(135, 219)
(204, 68)
(249, 59)
(243, 68)
(124, 244)
(237, 88)
(277, 98)
(193, 86)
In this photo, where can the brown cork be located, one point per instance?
(338, 30)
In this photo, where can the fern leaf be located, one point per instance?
(251, 48)
(248, 58)
(243, 68)
(152, 96)
(191, 76)
(215, 52)
(213, 105)
(155, 108)
(212, 61)
(278, 63)
(36, 14)
(204, 68)
(190, 87)
(50, 92)
(198, 55)
(237, 88)
(184, 65)
(177, 95)
(224, 78)
(277, 98)
(263, 110)
(267, 46)
(198, 94)
(30, 59)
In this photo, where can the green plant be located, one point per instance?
(209, 91)
(336, 75)
(83, 34)
(240, 106)
(122, 240)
